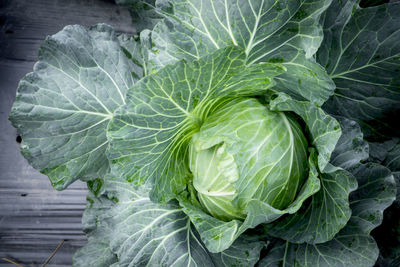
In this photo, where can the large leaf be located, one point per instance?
(304, 79)
(361, 53)
(62, 108)
(387, 235)
(196, 27)
(149, 135)
(136, 49)
(140, 232)
(287, 32)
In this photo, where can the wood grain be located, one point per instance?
(35, 218)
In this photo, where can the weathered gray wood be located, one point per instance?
(34, 217)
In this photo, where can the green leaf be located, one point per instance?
(375, 193)
(196, 27)
(217, 235)
(361, 53)
(150, 134)
(284, 32)
(387, 153)
(97, 251)
(323, 128)
(245, 251)
(387, 235)
(62, 108)
(140, 232)
(320, 219)
(136, 49)
(351, 148)
(346, 249)
(154, 234)
(304, 79)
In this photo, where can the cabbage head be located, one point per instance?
(245, 151)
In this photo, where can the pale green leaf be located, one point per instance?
(323, 128)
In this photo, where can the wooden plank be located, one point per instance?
(34, 217)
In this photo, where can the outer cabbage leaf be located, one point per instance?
(346, 249)
(62, 108)
(137, 49)
(361, 53)
(140, 232)
(150, 134)
(352, 246)
(387, 235)
(324, 130)
(196, 27)
(320, 219)
(387, 154)
(304, 79)
(287, 32)
(97, 251)
(351, 148)
(376, 192)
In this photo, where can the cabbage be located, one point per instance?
(225, 133)
(245, 151)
